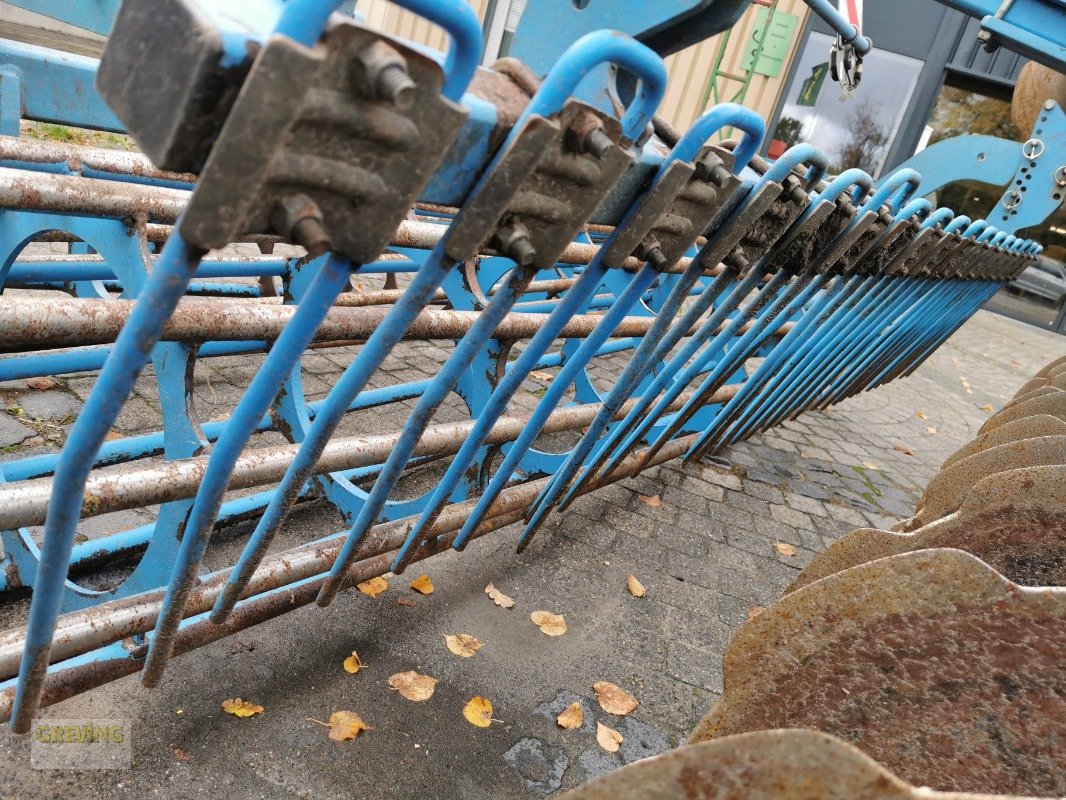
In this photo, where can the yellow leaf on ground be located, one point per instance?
(573, 717)
(345, 726)
(241, 708)
(462, 644)
(550, 624)
(608, 738)
(755, 611)
(921, 415)
(413, 686)
(422, 585)
(784, 549)
(987, 407)
(651, 500)
(541, 376)
(498, 597)
(635, 587)
(41, 383)
(352, 663)
(870, 465)
(931, 430)
(902, 448)
(478, 712)
(373, 587)
(614, 699)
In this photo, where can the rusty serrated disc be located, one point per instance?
(931, 662)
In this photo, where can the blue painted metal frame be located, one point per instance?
(1034, 28)
(852, 330)
(1029, 172)
(91, 15)
(166, 285)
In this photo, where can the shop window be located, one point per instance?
(853, 132)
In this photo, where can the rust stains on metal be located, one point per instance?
(931, 662)
(768, 765)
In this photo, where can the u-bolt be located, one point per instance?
(304, 20)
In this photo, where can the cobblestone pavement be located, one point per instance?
(706, 555)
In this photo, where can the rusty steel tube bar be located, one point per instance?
(81, 631)
(25, 503)
(79, 157)
(29, 323)
(159, 205)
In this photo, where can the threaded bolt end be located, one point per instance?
(657, 258)
(521, 251)
(395, 85)
(597, 144)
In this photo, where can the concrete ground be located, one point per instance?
(706, 555)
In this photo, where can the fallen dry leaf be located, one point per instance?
(550, 624)
(422, 585)
(902, 448)
(181, 755)
(345, 726)
(42, 383)
(352, 663)
(870, 465)
(784, 548)
(614, 699)
(478, 712)
(241, 708)
(651, 500)
(635, 587)
(413, 686)
(755, 611)
(986, 407)
(573, 717)
(406, 601)
(966, 386)
(930, 429)
(921, 415)
(541, 376)
(462, 644)
(373, 587)
(498, 597)
(608, 738)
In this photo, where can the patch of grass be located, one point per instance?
(67, 134)
(869, 483)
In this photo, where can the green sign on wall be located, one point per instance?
(776, 45)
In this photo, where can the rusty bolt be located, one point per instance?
(712, 173)
(298, 219)
(382, 72)
(597, 143)
(649, 250)
(514, 243)
(737, 259)
(657, 258)
(395, 85)
(988, 42)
